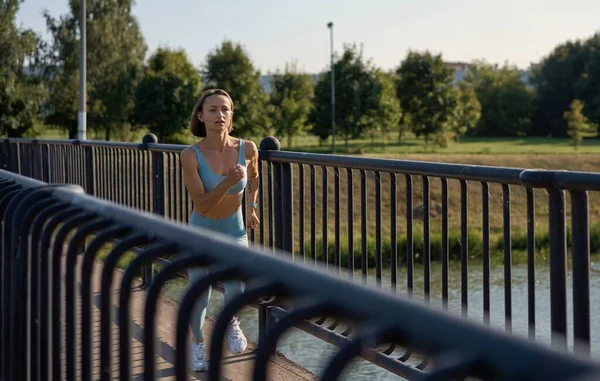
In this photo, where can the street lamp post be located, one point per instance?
(330, 26)
(81, 115)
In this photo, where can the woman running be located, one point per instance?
(216, 170)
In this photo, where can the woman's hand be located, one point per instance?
(234, 175)
(252, 220)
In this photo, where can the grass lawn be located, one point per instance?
(409, 145)
(467, 145)
(135, 136)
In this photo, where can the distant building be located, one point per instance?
(458, 66)
(460, 69)
(265, 82)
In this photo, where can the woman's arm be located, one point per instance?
(252, 186)
(203, 201)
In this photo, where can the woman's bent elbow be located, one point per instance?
(202, 207)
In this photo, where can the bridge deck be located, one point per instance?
(235, 367)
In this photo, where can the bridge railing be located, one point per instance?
(348, 183)
(424, 217)
(44, 227)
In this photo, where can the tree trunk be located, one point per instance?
(72, 131)
(400, 132)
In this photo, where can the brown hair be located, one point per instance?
(197, 127)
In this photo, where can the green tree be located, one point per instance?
(351, 91)
(427, 95)
(468, 111)
(167, 94)
(588, 84)
(61, 73)
(384, 115)
(362, 97)
(506, 101)
(578, 125)
(320, 116)
(558, 79)
(291, 97)
(229, 67)
(22, 91)
(115, 55)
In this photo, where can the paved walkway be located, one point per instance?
(235, 367)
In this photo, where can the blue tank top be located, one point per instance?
(210, 179)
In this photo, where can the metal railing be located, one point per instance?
(350, 200)
(44, 227)
(554, 183)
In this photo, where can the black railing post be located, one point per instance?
(558, 266)
(158, 193)
(39, 164)
(287, 207)
(580, 256)
(558, 250)
(265, 318)
(90, 174)
(262, 321)
(33, 160)
(158, 176)
(45, 162)
(65, 163)
(277, 206)
(14, 164)
(5, 155)
(282, 198)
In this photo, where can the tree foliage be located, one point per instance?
(362, 98)
(559, 78)
(588, 85)
(40, 82)
(291, 97)
(468, 111)
(427, 94)
(506, 101)
(167, 94)
(385, 114)
(21, 89)
(115, 55)
(578, 125)
(229, 67)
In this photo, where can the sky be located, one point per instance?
(276, 32)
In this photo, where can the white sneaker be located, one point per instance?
(236, 341)
(198, 357)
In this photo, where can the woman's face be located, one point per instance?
(216, 114)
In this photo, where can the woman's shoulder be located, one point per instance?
(250, 146)
(189, 150)
(246, 142)
(188, 155)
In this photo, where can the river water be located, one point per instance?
(314, 354)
